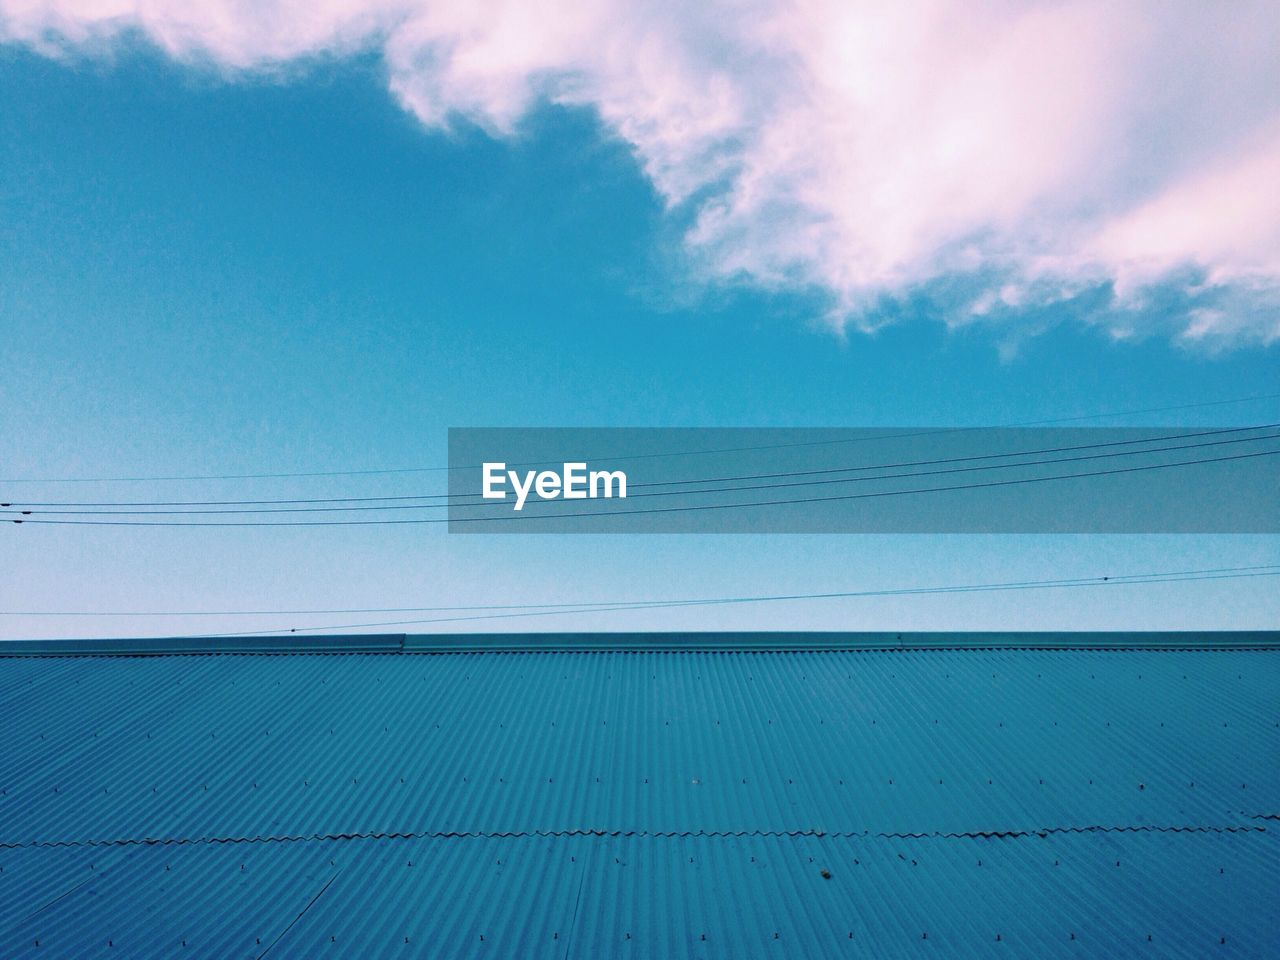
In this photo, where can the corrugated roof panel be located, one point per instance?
(628, 803)
(657, 742)
(660, 896)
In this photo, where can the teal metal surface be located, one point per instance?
(629, 802)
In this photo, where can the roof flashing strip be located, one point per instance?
(780, 641)
(169, 646)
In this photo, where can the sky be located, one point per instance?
(292, 238)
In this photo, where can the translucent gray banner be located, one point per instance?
(850, 480)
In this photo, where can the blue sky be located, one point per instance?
(202, 274)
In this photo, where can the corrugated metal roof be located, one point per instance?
(646, 896)
(557, 802)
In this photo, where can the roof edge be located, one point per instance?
(780, 641)
(169, 646)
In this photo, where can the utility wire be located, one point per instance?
(1131, 580)
(586, 605)
(513, 517)
(665, 493)
(102, 507)
(612, 459)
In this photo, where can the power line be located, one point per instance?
(986, 456)
(1128, 580)
(506, 518)
(685, 453)
(40, 507)
(586, 605)
(681, 493)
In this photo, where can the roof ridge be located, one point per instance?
(676, 641)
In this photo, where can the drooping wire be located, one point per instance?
(586, 605)
(1129, 580)
(519, 517)
(110, 508)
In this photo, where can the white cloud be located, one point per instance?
(1036, 150)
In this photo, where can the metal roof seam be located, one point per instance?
(711, 642)
(643, 834)
(954, 648)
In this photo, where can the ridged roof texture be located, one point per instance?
(950, 802)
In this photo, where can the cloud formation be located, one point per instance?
(1016, 154)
